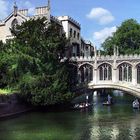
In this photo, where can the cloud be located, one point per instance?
(103, 16)
(3, 9)
(100, 36)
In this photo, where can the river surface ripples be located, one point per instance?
(117, 122)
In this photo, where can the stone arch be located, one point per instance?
(124, 62)
(85, 64)
(105, 63)
(105, 71)
(74, 64)
(127, 88)
(138, 63)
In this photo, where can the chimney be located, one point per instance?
(23, 12)
(41, 10)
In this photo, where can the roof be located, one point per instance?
(70, 19)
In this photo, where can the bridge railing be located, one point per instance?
(106, 57)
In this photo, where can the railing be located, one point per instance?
(107, 57)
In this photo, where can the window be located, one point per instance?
(74, 34)
(138, 74)
(14, 23)
(70, 32)
(86, 72)
(125, 72)
(105, 72)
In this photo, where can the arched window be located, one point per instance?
(120, 73)
(109, 73)
(105, 72)
(14, 23)
(129, 74)
(125, 72)
(138, 74)
(101, 73)
(91, 73)
(86, 71)
(86, 74)
(82, 74)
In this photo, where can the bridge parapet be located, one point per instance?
(83, 59)
(107, 58)
(131, 56)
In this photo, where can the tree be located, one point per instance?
(35, 66)
(126, 38)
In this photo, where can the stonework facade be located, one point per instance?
(120, 72)
(18, 17)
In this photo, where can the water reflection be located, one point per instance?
(118, 122)
(115, 129)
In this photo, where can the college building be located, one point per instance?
(72, 29)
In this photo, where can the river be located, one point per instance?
(116, 122)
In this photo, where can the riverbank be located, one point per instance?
(13, 110)
(11, 106)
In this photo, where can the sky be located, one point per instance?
(98, 18)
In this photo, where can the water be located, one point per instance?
(118, 122)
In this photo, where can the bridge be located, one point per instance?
(120, 72)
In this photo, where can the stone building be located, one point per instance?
(18, 17)
(72, 29)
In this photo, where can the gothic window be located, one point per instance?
(86, 72)
(129, 74)
(82, 74)
(138, 74)
(105, 72)
(109, 73)
(14, 23)
(101, 73)
(91, 74)
(120, 73)
(125, 72)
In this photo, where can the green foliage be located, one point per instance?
(6, 91)
(126, 38)
(31, 63)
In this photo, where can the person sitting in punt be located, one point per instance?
(136, 104)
